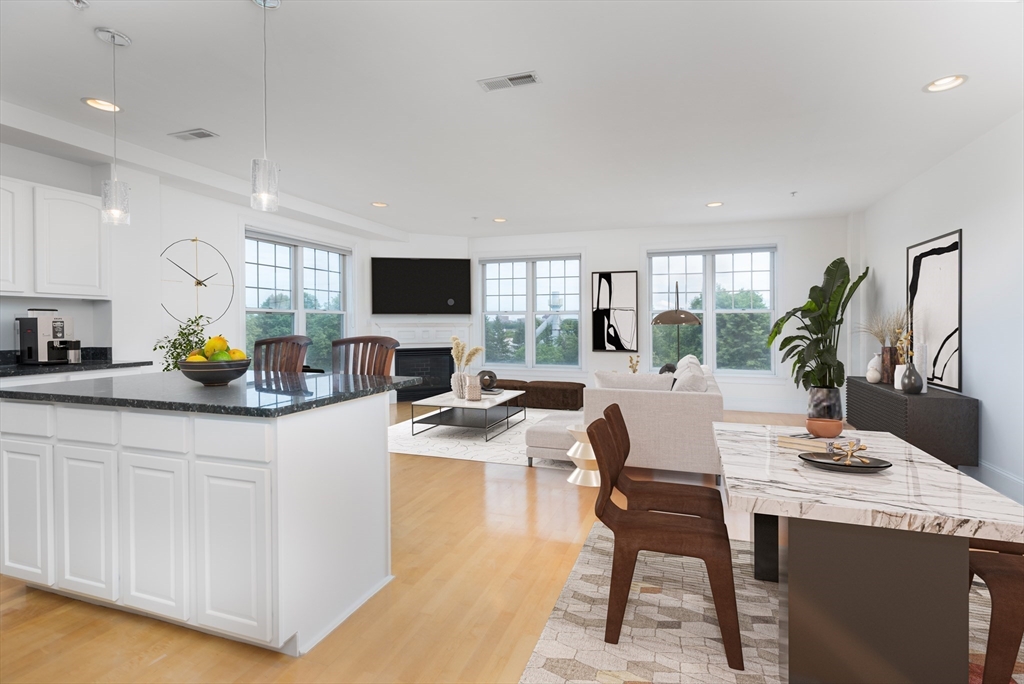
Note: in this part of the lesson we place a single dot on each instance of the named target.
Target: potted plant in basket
(815, 348)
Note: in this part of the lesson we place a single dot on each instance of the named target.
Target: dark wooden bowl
(214, 373)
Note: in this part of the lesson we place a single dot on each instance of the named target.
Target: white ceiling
(646, 111)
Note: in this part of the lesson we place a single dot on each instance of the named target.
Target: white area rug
(468, 444)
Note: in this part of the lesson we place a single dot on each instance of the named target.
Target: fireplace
(434, 364)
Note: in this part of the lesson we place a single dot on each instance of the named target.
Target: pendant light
(264, 171)
(676, 317)
(114, 195)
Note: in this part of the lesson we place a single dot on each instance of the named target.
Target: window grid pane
(321, 280)
(505, 287)
(268, 275)
(735, 278)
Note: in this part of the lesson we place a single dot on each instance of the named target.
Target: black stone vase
(825, 402)
(911, 382)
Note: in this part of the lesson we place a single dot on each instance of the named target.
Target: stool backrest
(284, 354)
(367, 355)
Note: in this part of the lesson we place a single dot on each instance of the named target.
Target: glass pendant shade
(115, 209)
(264, 185)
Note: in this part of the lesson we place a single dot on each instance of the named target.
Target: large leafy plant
(815, 349)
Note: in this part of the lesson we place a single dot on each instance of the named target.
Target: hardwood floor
(479, 552)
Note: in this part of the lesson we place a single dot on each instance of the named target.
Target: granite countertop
(274, 395)
(16, 369)
(918, 493)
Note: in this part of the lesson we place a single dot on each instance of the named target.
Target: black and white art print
(934, 305)
(614, 297)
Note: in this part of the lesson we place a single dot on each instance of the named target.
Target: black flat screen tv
(420, 286)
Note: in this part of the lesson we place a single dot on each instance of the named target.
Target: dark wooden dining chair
(1000, 565)
(669, 497)
(650, 530)
(280, 354)
(368, 355)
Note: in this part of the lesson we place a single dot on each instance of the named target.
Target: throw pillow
(690, 378)
(633, 381)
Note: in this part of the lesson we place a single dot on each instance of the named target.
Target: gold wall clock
(197, 280)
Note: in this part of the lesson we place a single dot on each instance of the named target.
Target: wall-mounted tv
(420, 286)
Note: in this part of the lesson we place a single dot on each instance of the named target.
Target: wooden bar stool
(368, 355)
(650, 530)
(280, 354)
(1000, 565)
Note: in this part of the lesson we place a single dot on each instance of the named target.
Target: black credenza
(941, 423)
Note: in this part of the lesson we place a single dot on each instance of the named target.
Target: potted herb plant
(191, 336)
(815, 348)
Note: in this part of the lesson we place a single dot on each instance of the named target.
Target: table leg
(766, 547)
(866, 604)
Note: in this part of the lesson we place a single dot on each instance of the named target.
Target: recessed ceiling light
(79, 4)
(945, 83)
(269, 4)
(500, 220)
(715, 204)
(101, 104)
(379, 204)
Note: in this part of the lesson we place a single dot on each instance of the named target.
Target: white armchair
(668, 430)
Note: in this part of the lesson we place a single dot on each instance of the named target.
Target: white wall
(804, 248)
(28, 165)
(980, 191)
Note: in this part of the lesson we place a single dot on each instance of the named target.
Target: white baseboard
(998, 479)
(767, 405)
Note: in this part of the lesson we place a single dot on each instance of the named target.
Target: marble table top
(918, 493)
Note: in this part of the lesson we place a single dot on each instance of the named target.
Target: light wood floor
(480, 552)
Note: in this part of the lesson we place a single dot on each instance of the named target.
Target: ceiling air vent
(194, 134)
(513, 81)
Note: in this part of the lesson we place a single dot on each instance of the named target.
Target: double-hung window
(294, 289)
(532, 312)
(735, 321)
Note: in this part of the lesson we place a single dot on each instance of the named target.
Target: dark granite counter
(17, 369)
(268, 395)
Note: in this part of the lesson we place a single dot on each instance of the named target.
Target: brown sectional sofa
(546, 394)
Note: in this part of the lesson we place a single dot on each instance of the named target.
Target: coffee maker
(43, 337)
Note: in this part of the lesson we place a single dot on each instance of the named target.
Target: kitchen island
(259, 510)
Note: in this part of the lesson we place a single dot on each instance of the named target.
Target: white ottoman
(550, 438)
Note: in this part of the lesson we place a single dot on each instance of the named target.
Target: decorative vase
(889, 361)
(459, 384)
(472, 387)
(897, 375)
(824, 411)
(910, 381)
(874, 371)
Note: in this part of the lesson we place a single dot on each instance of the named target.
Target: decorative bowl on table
(214, 373)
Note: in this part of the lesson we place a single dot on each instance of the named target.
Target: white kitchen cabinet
(72, 248)
(15, 235)
(155, 534)
(46, 378)
(26, 511)
(85, 510)
(233, 549)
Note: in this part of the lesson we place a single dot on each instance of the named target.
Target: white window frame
(531, 312)
(297, 285)
(710, 332)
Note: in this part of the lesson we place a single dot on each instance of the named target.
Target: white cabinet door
(154, 534)
(85, 508)
(233, 549)
(71, 244)
(15, 235)
(26, 511)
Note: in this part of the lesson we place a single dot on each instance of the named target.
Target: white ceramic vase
(897, 376)
(873, 374)
(459, 384)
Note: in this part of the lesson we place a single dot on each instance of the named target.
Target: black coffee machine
(43, 337)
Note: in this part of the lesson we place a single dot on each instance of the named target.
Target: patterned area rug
(670, 631)
(469, 445)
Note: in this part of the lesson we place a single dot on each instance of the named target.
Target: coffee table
(490, 412)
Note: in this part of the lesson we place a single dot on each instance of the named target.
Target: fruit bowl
(214, 373)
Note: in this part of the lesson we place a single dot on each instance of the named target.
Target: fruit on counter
(195, 357)
(220, 356)
(215, 344)
(237, 355)
(196, 352)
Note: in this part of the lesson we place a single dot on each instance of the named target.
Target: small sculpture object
(850, 449)
(634, 363)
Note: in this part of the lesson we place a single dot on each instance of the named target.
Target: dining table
(872, 566)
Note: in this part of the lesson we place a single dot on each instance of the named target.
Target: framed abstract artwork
(614, 298)
(934, 271)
